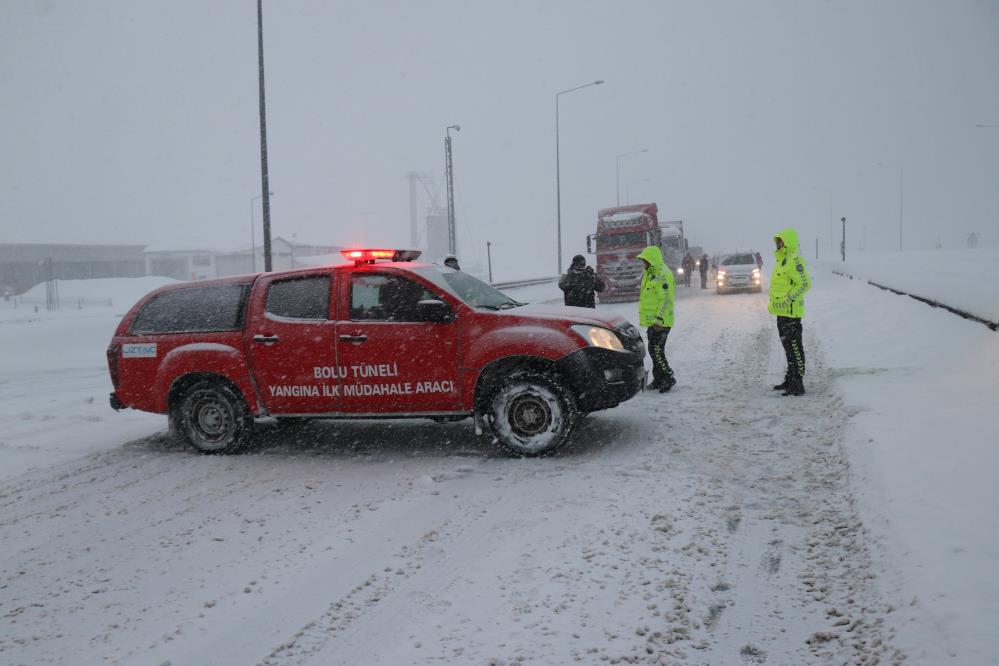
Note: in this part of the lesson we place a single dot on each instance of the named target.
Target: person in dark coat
(759, 261)
(703, 267)
(688, 268)
(580, 284)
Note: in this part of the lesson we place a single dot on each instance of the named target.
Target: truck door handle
(354, 338)
(266, 339)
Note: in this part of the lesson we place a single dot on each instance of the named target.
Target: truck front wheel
(212, 417)
(532, 415)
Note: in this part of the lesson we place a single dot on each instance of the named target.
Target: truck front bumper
(602, 378)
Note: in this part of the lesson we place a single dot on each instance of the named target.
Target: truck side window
(192, 309)
(300, 298)
(385, 297)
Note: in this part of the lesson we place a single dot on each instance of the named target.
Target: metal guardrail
(929, 301)
(523, 283)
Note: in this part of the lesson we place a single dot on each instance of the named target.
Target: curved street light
(558, 177)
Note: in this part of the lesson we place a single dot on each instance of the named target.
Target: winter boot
(668, 383)
(654, 385)
(795, 386)
(784, 384)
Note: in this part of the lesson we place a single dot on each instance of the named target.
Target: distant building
(21, 264)
(204, 264)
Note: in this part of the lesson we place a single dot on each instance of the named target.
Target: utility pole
(264, 181)
(489, 259)
(842, 244)
(452, 241)
(413, 234)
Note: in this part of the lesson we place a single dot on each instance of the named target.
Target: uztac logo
(142, 350)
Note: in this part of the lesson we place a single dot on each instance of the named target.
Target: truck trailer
(623, 232)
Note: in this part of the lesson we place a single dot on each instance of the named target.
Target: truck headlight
(599, 337)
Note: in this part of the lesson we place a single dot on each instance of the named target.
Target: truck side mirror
(589, 243)
(434, 311)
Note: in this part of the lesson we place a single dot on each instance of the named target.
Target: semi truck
(623, 232)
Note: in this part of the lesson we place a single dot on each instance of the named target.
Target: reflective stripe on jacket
(789, 281)
(655, 298)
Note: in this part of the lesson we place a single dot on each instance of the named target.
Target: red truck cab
(623, 232)
(372, 339)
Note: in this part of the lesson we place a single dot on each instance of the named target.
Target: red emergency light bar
(368, 256)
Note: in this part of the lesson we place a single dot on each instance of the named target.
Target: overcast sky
(137, 121)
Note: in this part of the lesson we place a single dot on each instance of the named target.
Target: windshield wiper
(511, 304)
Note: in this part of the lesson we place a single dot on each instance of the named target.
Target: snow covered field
(718, 524)
(964, 279)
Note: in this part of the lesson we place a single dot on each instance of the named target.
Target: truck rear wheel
(212, 417)
(532, 414)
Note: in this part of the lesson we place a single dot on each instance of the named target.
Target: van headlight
(598, 336)
(756, 272)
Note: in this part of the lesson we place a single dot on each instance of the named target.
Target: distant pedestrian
(688, 268)
(759, 261)
(580, 284)
(789, 282)
(703, 267)
(452, 262)
(655, 310)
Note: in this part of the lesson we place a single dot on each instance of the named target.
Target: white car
(738, 272)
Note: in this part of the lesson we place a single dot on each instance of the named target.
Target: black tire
(532, 415)
(212, 417)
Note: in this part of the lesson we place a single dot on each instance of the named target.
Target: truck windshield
(471, 290)
(607, 241)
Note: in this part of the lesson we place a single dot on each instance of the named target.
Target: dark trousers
(789, 329)
(657, 351)
(704, 279)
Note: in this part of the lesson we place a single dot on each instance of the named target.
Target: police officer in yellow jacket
(655, 310)
(789, 282)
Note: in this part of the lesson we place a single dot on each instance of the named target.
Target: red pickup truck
(384, 337)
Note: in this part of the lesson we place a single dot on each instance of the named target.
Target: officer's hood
(654, 256)
(790, 238)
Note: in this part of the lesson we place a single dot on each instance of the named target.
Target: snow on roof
(624, 217)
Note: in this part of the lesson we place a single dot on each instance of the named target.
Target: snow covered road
(712, 525)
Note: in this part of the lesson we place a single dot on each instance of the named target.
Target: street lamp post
(558, 176)
(489, 259)
(627, 188)
(264, 178)
(253, 235)
(634, 152)
(900, 197)
(452, 240)
(842, 244)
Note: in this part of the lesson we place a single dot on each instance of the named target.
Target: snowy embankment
(54, 382)
(922, 388)
(967, 280)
